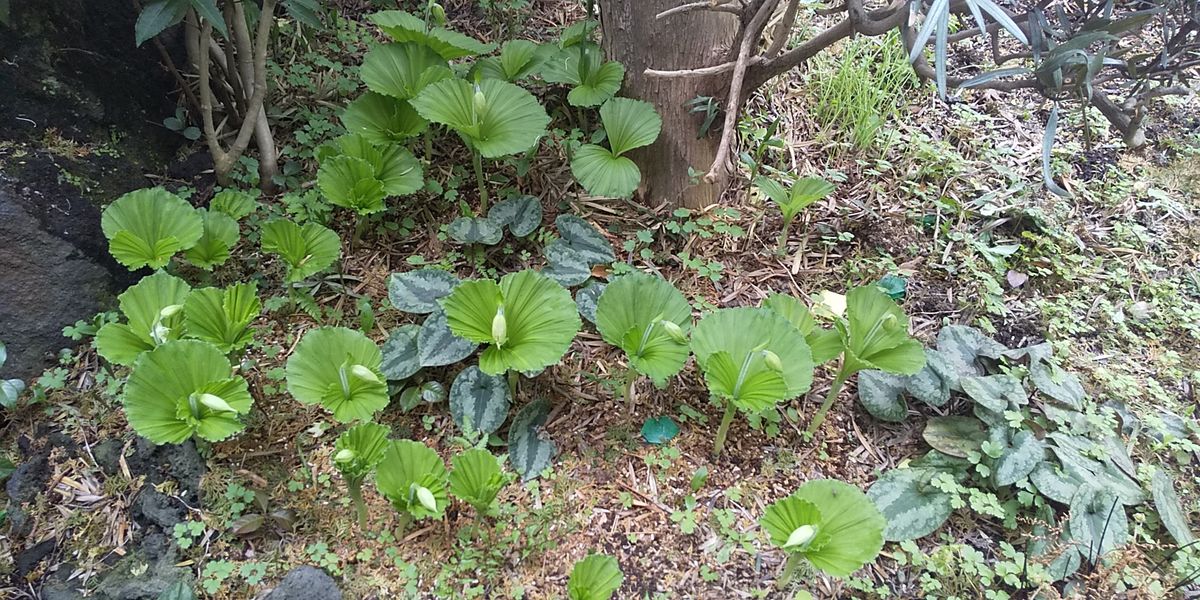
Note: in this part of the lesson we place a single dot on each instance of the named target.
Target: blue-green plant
(338, 368)
(185, 388)
(648, 319)
(831, 524)
(146, 227)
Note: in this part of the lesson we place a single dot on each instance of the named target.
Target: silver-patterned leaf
(586, 299)
(1054, 483)
(580, 236)
(521, 215)
(400, 353)
(956, 436)
(528, 451)
(1073, 452)
(418, 291)
(479, 399)
(475, 230)
(432, 392)
(566, 267)
(1170, 511)
(1097, 523)
(912, 508)
(1020, 458)
(1065, 565)
(994, 392)
(932, 383)
(962, 347)
(882, 394)
(1057, 384)
(438, 346)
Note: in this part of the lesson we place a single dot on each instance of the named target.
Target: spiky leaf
(954, 435)
(994, 392)
(963, 346)
(164, 397)
(338, 368)
(147, 227)
(1170, 511)
(931, 384)
(587, 298)
(581, 237)
(479, 400)
(1023, 454)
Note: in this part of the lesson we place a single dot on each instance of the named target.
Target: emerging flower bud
(480, 101)
(772, 361)
(675, 331)
(425, 497)
(890, 322)
(215, 403)
(343, 456)
(169, 311)
(438, 13)
(499, 327)
(801, 536)
(364, 373)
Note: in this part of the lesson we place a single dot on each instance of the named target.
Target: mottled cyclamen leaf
(882, 394)
(400, 359)
(956, 436)
(418, 291)
(1097, 521)
(1059, 385)
(521, 215)
(567, 268)
(580, 236)
(479, 399)
(994, 392)
(528, 450)
(911, 506)
(962, 347)
(932, 383)
(475, 230)
(1170, 511)
(586, 299)
(1072, 452)
(438, 346)
(1020, 458)
(1054, 483)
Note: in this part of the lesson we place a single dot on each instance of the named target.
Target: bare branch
(700, 72)
(725, 7)
(783, 30)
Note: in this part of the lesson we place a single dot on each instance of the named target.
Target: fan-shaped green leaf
(495, 117)
(911, 506)
(147, 227)
(479, 401)
(407, 468)
(418, 291)
(518, 59)
(587, 298)
(383, 119)
(475, 230)
(403, 70)
(223, 317)
(359, 450)
(521, 215)
(845, 528)
(528, 320)
(153, 310)
(648, 319)
(603, 174)
(220, 235)
(184, 388)
(307, 250)
(743, 334)
(583, 66)
(878, 334)
(404, 27)
(400, 357)
(826, 344)
(528, 450)
(596, 577)
(396, 169)
(438, 346)
(350, 182)
(579, 32)
(476, 478)
(238, 204)
(338, 368)
(629, 124)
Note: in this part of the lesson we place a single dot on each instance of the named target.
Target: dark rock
(19, 523)
(140, 577)
(154, 507)
(29, 480)
(179, 462)
(306, 583)
(108, 455)
(27, 560)
(61, 590)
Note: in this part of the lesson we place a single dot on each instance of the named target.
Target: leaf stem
(723, 430)
(631, 377)
(483, 195)
(355, 489)
(513, 379)
(834, 388)
(789, 569)
(783, 236)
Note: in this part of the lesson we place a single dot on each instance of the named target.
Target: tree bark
(634, 37)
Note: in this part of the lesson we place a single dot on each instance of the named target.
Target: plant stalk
(723, 430)
(834, 389)
(789, 569)
(631, 377)
(360, 507)
(428, 138)
(483, 195)
(513, 379)
(783, 236)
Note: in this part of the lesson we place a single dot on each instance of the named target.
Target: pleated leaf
(383, 119)
(223, 317)
(604, 175)
(146, 227)
(878, 334)
(238, 204)
(220, 235)
(338, 368)
(495, 117)
(476, 478)
(407, 466)
(518, 59)
(366, 443)
(739, 332)
(403, 70)
(146, 326)
(637, 302)
(596, 577)
(629, 124)
(350, 182)
(405, 27)
(849, 528)
(307, 250)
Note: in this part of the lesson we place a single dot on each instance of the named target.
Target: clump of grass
(860, 90)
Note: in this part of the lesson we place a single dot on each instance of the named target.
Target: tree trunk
(693, 39)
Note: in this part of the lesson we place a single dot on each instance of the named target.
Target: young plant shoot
(874, 334)
(596, 577)
(647, 318)
(356, 453)
(477, 479)
(752, 359)
(830, 523)
(803, 193)
(413, 478)
(338, 368)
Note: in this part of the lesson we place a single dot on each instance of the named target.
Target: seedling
(803, 193)
(356, 453)
(413, 478)
(338, 368)
(647, 318)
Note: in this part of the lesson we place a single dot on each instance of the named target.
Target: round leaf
(418, 291)
(403, 70)
(383, 119)
(509, 120)
(321, 371)
(629, 124)
(147, 227)
(480, 400)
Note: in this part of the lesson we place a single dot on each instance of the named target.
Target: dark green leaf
(438, 346)
(956, 436)
(882, 394)
(400, 360)
(418, 291)
(158, 16)
(1170, 511)
(529, 451)
(479, 399)
(207, 9)
(912, 507)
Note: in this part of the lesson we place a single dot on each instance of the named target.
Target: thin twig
(783, 30)
(725, 7)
